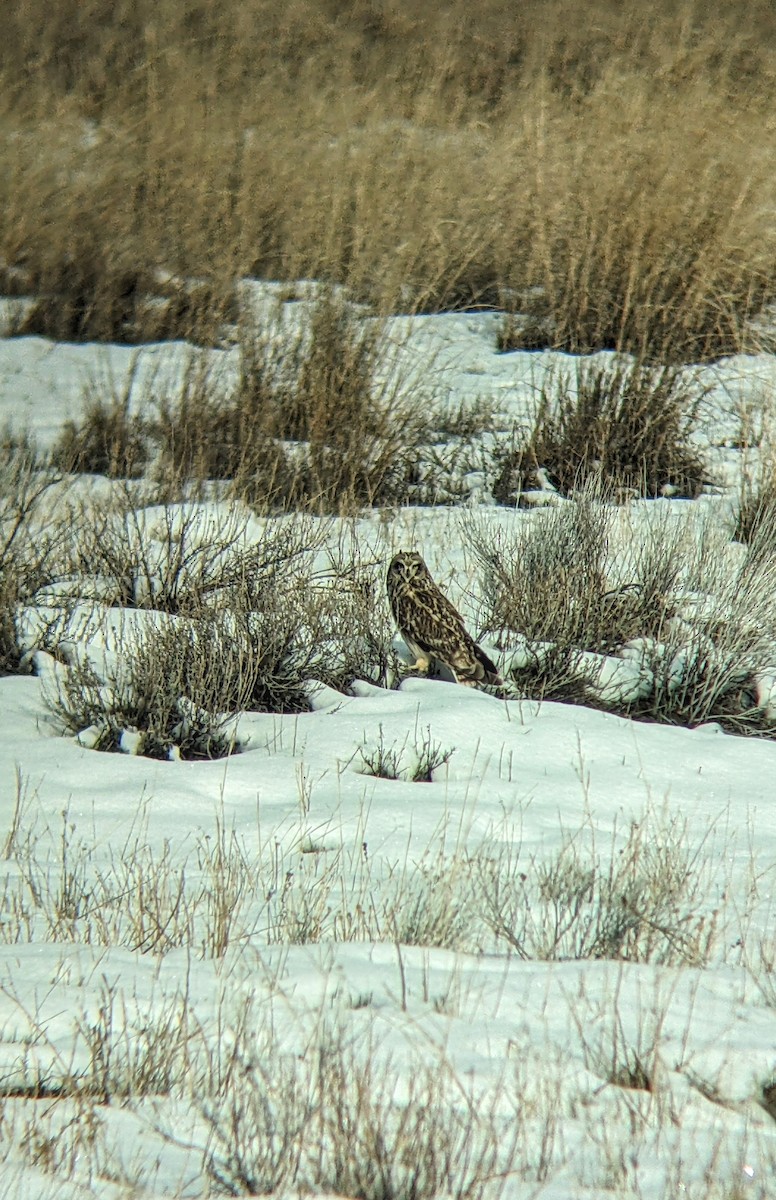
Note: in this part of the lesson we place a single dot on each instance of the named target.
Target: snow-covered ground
(414, 997)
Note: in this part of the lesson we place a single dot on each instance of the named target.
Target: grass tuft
(681, 618)
(319, 419)
(110, 438)
(628, 426)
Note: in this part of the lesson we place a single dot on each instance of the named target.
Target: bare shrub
(56, 1140)
(109, 439)
(128, 1055)
(238, 624)
(618, 1056)
(332, 1120)
(348, 618)
(552, 584)
(756, 508)
(365, 1136)
(30, 539)
(434, 903)
(694, 619)
(185, 558)
(628, 426)
(762, 971)
(183, 682)
(257, 1120)
(319, 418)
(643, 902)
(720, 638)
(380, 760)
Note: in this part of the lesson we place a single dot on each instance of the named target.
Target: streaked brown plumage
(431, 626)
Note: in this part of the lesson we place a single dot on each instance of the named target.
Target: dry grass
(643, 895)
(643, 900)
(693, 613)
(110, 439)
(627, 427)
(28, 546)
(605, 170)
(755, 517)
(319, 417)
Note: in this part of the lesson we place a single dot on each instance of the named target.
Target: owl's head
(406, 565)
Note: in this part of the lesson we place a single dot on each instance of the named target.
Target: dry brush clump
(180, 558)
(645, 898)
(665, 621)
(605, 173)
(32, 540)
(320, 418)
(221, 627)
(626, 425)
(111, 438)
(182, 685)
(755, 510)
(399, 761)
(551, 583)
(205, 617)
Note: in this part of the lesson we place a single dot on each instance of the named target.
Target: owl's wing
(491, 673)
(468, 660)
(471, 663)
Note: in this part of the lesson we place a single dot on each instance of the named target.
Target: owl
(431, 626)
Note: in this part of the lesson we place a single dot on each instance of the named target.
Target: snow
(350, 922)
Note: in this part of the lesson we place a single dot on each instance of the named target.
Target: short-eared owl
(431, 626)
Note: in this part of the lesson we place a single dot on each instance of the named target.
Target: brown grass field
(606, 167)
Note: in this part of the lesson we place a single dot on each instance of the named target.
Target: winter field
(321, 924)
(279, 915)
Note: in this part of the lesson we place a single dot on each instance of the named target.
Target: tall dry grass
(605, 168)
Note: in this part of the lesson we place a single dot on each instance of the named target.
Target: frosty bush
(182, 683)
(551, 582)
(711, 656)
(231, 623)
(187, 558)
